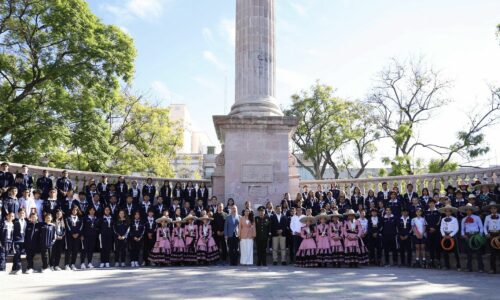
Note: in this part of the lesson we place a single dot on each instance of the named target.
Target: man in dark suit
(383, 195)
(218, 228)
(279, 225)
(63, 185)
(44, 184)
(232, 235)
(409, 195)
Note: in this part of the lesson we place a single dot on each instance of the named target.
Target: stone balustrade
(82, 178)
(430, 181)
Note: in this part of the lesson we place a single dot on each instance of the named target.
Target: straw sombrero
(163, 219)
(205, 217)
(189, 217)
(304, 219)
(178, 220)
(468, 206)
(471, 196)
(443, 209)
(443, 196)
(322, 216)
(350, 212)
(492, 204)
(335, 214)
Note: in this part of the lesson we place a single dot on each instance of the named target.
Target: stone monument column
(255, 163)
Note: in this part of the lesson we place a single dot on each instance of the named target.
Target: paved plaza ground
(251, 283)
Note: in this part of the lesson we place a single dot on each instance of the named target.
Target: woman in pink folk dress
(178, 244)
(306, 255)
(191, 237)
(322, 234)
(336, 239)
(206, 248)
(353, 243)
(162, 249)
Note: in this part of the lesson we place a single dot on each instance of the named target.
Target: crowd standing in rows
(179, 225)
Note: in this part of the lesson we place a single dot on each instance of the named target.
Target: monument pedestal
(255, 163)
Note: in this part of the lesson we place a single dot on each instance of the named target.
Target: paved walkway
(251, 283)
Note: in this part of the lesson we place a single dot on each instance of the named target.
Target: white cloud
(207, 83)
(228, 30)
(207, 35)
(299, 8)
(142, 9)
(210, 56)
(161, 89)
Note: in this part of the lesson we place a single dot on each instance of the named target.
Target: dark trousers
(389, 244)
(470, 253)
(89, 247)
(148, 245)
(57, 250)
(446, 256)
(106, 248)
(405, 251)
(434, 246)
(120, 250)
(494, 254)
(221, 243)
(261, 251)
(30, 254)
(5, 250)
(19, 249)
(233, 243)
(73, 247)
(135, 249)
(46, 257)
(375, 249)
(296, 240)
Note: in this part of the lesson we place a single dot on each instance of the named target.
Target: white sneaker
(90, 266)
(29, 271)
(73, 268)
(82, 266)
(57, 268)
(117, 265)
(137, 264)
(107, 265)
(123, 264)
(101, 265)
(67, 267)
(46, 270)
(16, 272)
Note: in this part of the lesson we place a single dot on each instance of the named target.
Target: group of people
(179, 225)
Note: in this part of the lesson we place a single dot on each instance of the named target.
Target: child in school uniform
(106, 231)
(191, 236)
(471, 225)
(136, 238)
(121, 229)
(449, 229)
(162, 249)
(336, 239)
(355, 250)
(149, 234)
(374, 237)
(60, 242)
(418, 228)
(322, 234)
(178, 244)
(19, 234)
(6, 239)
(74, 227)
(404, 237)
(32, 241)
(306, 254)
(389, 231)
(90, 234)
(47, 240)
(206, 248)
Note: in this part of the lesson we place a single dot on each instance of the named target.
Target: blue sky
(186, 51)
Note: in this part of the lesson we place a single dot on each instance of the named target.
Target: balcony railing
(430, 181)
(81, 178)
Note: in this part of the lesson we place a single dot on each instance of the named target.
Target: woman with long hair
(247, 234)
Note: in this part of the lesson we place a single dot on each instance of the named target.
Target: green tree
(60, 70)
(327, 126)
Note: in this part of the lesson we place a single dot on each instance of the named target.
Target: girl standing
(178, 243)
(121, 229)
(74, 227)
(106, 230)
(59, 243)
(162, 249)
(90, 234)
(418, 225)
(47, 240)
(336, 239)
(136, 231)
(206, 248)
(247, 234)
(306, 255)
(32, 240)
(191, 236)
(322, 234)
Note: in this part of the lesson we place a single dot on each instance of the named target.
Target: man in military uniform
(263, 230)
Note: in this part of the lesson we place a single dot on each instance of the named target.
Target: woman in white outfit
(247, 234)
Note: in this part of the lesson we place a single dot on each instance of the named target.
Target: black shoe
(264, 264)
(258, 264)
(275, 263)
(284, 264)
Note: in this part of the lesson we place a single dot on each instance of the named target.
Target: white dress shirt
(450, 227)
(491, 225)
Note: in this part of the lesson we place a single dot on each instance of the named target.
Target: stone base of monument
(255, 163)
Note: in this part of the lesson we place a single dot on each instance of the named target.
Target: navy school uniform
(90, 235)
(83, 205)
(47, 240)
(166, 193)
(121, 229)
(356, 201)
(121, 191)
(137, 230)
(395, 207)
(107, 233)
(150, 190)
(65, 205)
(433, 220)
(44, 184)
(90, 195)
(424, 201)
(10, 205)
(32, 242)
(202, 193)
(178, 192)
(343, 207)
(63, 185)
(7, 242)
(412, 210)
(20, 188)
(145, 206)
(159, 208)
(198, 209)
(114, 208)
(19, 233)
(74, 228)
(369, 201)
(135, 192)
(6, 179)
(389, 232)
(130, 209)
(375, 227)
(190, 195)
(404, 231)
(149, 238)
(59, 244)
(50, 207)
(407, 198)
(99, 208)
